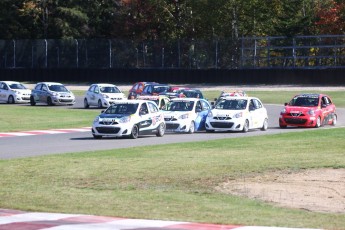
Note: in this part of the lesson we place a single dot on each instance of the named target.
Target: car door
(43, 93)
(94, 95)
(3, 92)
(201, 111)
(90, 95)
(145, 118)
(328, 108)
(257, 113)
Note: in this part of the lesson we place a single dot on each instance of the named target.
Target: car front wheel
(86, 104)
(10, 100)
(334, 119)
(32, 101)
(135, 132)
(49, 101)
(100, 106)
(245, 126)
(318, 122)
(161, 130)
(265, 125)
(191, 127)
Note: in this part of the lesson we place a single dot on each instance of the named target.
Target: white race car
(186, 114)
(102, 95)
(237, 114)
(51, 93)
(14, 92)
(129, 118)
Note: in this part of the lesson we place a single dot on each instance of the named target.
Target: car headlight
(96, 120)
(238, 115)
(311, 112)
(16, 92)
(125, 119)
(54, 94)
(210, 114)
(283, 111)
(105, 96)
(184, 116)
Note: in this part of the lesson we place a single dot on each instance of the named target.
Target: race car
(51, 93)
(102, 95)
(160, 100)
(186, 114)
(129, 118)
(237, 114)
(14, 92)
(235, 93)
(308, 110)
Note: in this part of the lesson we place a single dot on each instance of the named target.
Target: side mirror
(198, 110)
(323, 105)
(285, 103)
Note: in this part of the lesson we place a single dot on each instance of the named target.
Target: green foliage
(168, 20)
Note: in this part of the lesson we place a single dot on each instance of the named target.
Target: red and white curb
(14, 220)
(42, 132)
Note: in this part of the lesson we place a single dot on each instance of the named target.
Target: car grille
(222, 124)
(222, 118)
(296, 121)
(170, 119)
(108, 123)
(65, 100)
(109, 130)
(172, 126)
(25, 98)
(296, 114)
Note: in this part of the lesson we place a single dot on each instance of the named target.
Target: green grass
(173, 182)
(20, 118)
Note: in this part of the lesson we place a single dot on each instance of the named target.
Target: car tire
(135, 132)
(97, 136)
(245, 126)
(10, 100)
(86, 104)
(191, 127)
(265, 125)
(318, 122)
(32, 101)
(100, 106)
(334, 119)
(160, 130)
(49, 101)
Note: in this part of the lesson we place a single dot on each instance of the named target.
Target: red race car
(308, 110)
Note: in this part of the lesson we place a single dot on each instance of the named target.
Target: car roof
(308, 95)
(49, 83)
(186, 99)
(239, 97)
(103, 84)
(11, 82)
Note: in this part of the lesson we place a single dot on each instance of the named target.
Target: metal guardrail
(324, 51)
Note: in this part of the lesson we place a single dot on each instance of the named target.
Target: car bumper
(111, 130)
(22, 99)
(223, 125)
(63, 101)
(297, 121)
(180, 126)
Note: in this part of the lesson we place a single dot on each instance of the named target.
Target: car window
(109, 89)
(179, 106)
(17, 86)
(44, 87)
(143, 109)
(257, 104)
(58, 88)
(38, 87)
(3, 86)
(152, 107)
(96, 89)
(91, 89)
(205, 105)
(129, 108)
(234, 104)
(326, 100)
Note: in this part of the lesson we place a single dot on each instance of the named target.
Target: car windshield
(305, 101)
(160, 89)
(233, 104)
(192, 94)
(125, 108)
(179, 106)
(109, 89)
(17, 86)
(58, 88)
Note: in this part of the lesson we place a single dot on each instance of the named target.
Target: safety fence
(324, 51)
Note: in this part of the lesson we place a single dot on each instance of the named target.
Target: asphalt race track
(36, 145)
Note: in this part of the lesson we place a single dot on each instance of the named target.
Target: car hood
(28, 91)
(225, 113)
(298, 109)
(175, 113)
(114, 94)
(103, 115)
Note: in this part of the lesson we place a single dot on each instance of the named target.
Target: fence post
(46, 52)
(110, 53)
(14, 53)
(77, 52)
(163, 57)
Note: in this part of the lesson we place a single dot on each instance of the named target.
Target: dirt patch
(319, 190)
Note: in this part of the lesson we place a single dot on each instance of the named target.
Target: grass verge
(173, 182)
